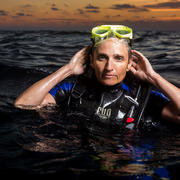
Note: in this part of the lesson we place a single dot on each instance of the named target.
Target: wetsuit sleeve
(61, 91)
(157, 101)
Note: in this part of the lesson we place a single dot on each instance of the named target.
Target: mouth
(109, 76)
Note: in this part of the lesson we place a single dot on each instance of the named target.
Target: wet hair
(125, 41)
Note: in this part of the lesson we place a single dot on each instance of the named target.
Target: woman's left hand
(141, 67)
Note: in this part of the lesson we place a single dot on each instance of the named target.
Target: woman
(111, 58)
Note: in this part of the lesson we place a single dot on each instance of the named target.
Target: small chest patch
(103, 112)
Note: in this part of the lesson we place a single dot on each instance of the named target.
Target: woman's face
(110, 61)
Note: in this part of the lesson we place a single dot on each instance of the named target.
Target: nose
(109, 65)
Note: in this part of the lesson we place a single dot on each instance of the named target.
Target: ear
(129, 64)
(91, 61)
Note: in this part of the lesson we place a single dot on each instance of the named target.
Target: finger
(134, 58)
(139, 55)
(133, 70)
(88, 47)
(88, 50)
(80, 51)
(85, 49)
(83, 52)
(135, 65)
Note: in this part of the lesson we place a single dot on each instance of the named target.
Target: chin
(109, 82)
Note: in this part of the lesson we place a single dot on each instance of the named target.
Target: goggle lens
(122, 32)
(101, 31)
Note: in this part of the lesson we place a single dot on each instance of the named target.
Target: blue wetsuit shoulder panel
(158, 94)
(66, 87)
(125, 87)
(156, 103)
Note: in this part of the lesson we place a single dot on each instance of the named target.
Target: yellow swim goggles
(102, 32)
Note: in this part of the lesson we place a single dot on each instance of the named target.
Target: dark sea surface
(42, 144)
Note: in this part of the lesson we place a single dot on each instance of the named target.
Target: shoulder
(64, 87)
(156, 103)
(157, 99)
(158, 95)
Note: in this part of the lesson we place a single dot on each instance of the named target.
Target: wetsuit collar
(102, 87)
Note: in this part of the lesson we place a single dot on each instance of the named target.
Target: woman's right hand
(78, 61)
(38, 94)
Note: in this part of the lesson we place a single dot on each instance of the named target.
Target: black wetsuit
(108, 104)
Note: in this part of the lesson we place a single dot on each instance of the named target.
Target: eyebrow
(119, 55)
(114, 55)
(102, 54)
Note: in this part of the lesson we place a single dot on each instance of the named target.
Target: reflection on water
(53, 144)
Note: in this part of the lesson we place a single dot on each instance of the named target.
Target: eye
(119, 58)
(102, 57)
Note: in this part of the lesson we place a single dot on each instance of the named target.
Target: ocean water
(42, 144)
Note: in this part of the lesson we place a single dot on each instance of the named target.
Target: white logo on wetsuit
(103, 113)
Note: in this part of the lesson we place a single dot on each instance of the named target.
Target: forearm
(142, 69)
(35, 94)
(168, 89)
